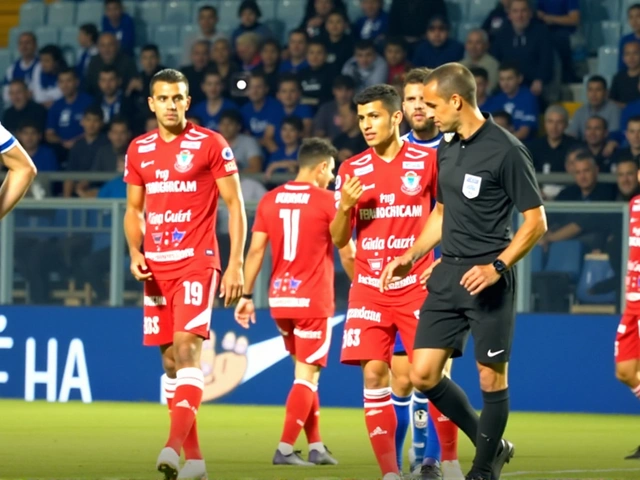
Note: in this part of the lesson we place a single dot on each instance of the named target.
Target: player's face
(443, 111)
(325, 174)
(509, 81)
(212, 87)
(414, 108)
(377, 124)
(170, 102)
(289, 94)
(633, 134)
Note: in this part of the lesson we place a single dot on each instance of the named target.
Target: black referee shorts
(450, 312)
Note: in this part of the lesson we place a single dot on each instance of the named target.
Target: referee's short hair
(454, 78)
(417, 76)
(384, 93)
(314, 151)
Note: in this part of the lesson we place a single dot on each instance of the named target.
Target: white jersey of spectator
(43, 91)
(7, 141)
(18, 69)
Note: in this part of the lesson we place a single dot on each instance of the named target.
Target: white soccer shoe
(392, 476)
(451, 470)
(193, 470)
(168, 463)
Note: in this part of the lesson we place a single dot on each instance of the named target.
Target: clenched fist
(350, 193)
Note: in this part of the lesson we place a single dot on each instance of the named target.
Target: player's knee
(185, 354)
(401, 385)
(169, 366)
(375, 375)
(626, 374)
(493, 377)
(424, 378)
(306, 372)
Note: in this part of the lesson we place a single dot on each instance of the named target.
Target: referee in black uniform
(484, 172)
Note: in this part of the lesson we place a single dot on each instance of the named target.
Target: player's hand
(245, 312)
(424, 277)
(139, 268)
(350, 193)
(396, 269)
(231, 286)
(479, 278)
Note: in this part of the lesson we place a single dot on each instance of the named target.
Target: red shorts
(370, 330)
(306, 338)
(627, 345)
(181, 304)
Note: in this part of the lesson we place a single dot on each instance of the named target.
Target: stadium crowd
(265, 91)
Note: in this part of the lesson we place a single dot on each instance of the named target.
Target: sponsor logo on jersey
(184, 161)
(195, 135)
(181, 216)
(146, 140)
(368, 187)
(364, 314)
(391, 211)
(146, 164)
(289, 302)
(411, 183)
(375, 264)
(154, 301)
(227, 154)
(177, 236)
(191, 145)
(415, 154)
(362, 160)
(393, 242)
(230, 167)
(389, 198)
(413, 165)
(358, 172)
(147, 148)
(295, 198)
(307, 335)
(375, 282)
(170, 256)
(173, 186)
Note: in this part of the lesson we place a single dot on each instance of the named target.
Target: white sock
(318, 446)
(285, 448)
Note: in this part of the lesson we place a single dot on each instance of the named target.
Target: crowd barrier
(560, 363)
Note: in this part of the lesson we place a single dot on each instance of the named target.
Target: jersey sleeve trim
(8, 145)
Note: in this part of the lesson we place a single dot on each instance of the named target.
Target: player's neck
(169, 134)
(388, 150)
(425, 135)
(306, 177)
(470, 123)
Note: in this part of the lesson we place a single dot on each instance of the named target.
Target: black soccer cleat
(169, 472)
(431, 472)
(634, 456)
(475, 477)
(506, 451)
(322, 458)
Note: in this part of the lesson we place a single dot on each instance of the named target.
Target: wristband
(247, 296)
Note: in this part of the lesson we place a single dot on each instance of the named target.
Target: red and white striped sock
(381, 421)
(186, 402)
(636, 392)
(169, 387)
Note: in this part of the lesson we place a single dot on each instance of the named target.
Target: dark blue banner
(561, 363)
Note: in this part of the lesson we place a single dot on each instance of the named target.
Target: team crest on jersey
(157, 237)
(227, 154)
(177, 236)
(411, 183)
(184, 161)
(286, 284)
(471, 186)
(375, 264)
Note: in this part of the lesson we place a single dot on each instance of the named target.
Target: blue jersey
(7, 141)
(432, 143)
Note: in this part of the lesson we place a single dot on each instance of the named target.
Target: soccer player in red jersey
(175, 175)
(385, 193)
(294, 218)
(627, 346)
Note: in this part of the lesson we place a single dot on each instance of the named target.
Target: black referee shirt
(480, 180)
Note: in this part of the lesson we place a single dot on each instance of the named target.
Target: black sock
(493, 422)
(453, 403)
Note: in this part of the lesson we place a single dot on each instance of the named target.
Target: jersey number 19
(291, 228)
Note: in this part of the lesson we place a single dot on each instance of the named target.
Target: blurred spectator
(504, 119)
(109, 55)
(395, 54)
(561, 19)
(350, 141)
(22, 109)
(337, 40)
(65, 115)
(289, 95)
(249, 13)
(30, 137)
(297, 49)
(407, 18)
(366, 67)
(516, 100)
(595, 137)
(482, 81)
(207, 23)
(316, 14)
(248, 50)
(22, 68)
(574, 152)
(210, 110)
(284, 159)
(316, 79)
(549, 153)
(116, 21)
(246, 149)
(374, 22)
(112, 100)
(44, 82)
(261, 110)
(270, 64)
(327, 121)
(496, 19)
(633, 17)
(476, 54)
(625, 87)
(88, 42)
(83, 154)
(195, 71)
(138, 88)
(632, 134)
(598, 104)
(627, 180)
(586, 187)
(194, 119)
(223, 64)
(438, 48)
(151, 123)
(526, 43)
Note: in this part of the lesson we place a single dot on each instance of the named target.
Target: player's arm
(253, 262)
(20, 175)
(341, 225)
(134, 231)
(348, 258)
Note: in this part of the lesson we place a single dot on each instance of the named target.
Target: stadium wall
(560, 363)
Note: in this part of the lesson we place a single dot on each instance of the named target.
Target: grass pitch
(122, 440)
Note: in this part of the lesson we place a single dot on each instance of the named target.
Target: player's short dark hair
(384, 93)
(480, 72)
(168, 75)
(344, 81)
(289, 78)
(416, 76)
(635, 118)
(295, 122)
(94, 111)
(68, 71)
(119, 120)
(598, 79)
(510, 66)
(603, 120)
(151, 47)
(454, 78)
(208, 8)
(315, 150)
(109, 69)
(233, 115)
(504, 115)
(91, 30)
(365, 45)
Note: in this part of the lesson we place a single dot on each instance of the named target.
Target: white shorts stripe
(324, 348)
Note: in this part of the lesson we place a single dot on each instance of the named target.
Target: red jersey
(633, 264)
(389, 216)
(296, 217)
(181, 197)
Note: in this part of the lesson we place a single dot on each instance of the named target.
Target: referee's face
(377, 124)
(443, 112)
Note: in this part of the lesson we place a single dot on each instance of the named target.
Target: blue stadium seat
(596, 268)
(69, 37)
(32, 14)
(610, 33)
(607, 60)
(458, 10)
(228, 13)
(88, 13)
(269, 10)
(150, 13)
(277, 29)
(353, 9)
(178, 13)
(464, 29)
(624, 6)
(537, 259)
(61, 13)
(214, 3)
(5, 60)
(47, 35)
(14, 33)
(291, 13)
(171, 56)
(188, 33)
(565, 257)
(479, 10)
(602, 10)
(165, 36)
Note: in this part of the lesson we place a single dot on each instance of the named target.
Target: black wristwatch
(247, 296)
(500, 266)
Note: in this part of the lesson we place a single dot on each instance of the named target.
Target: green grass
(121, 441)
